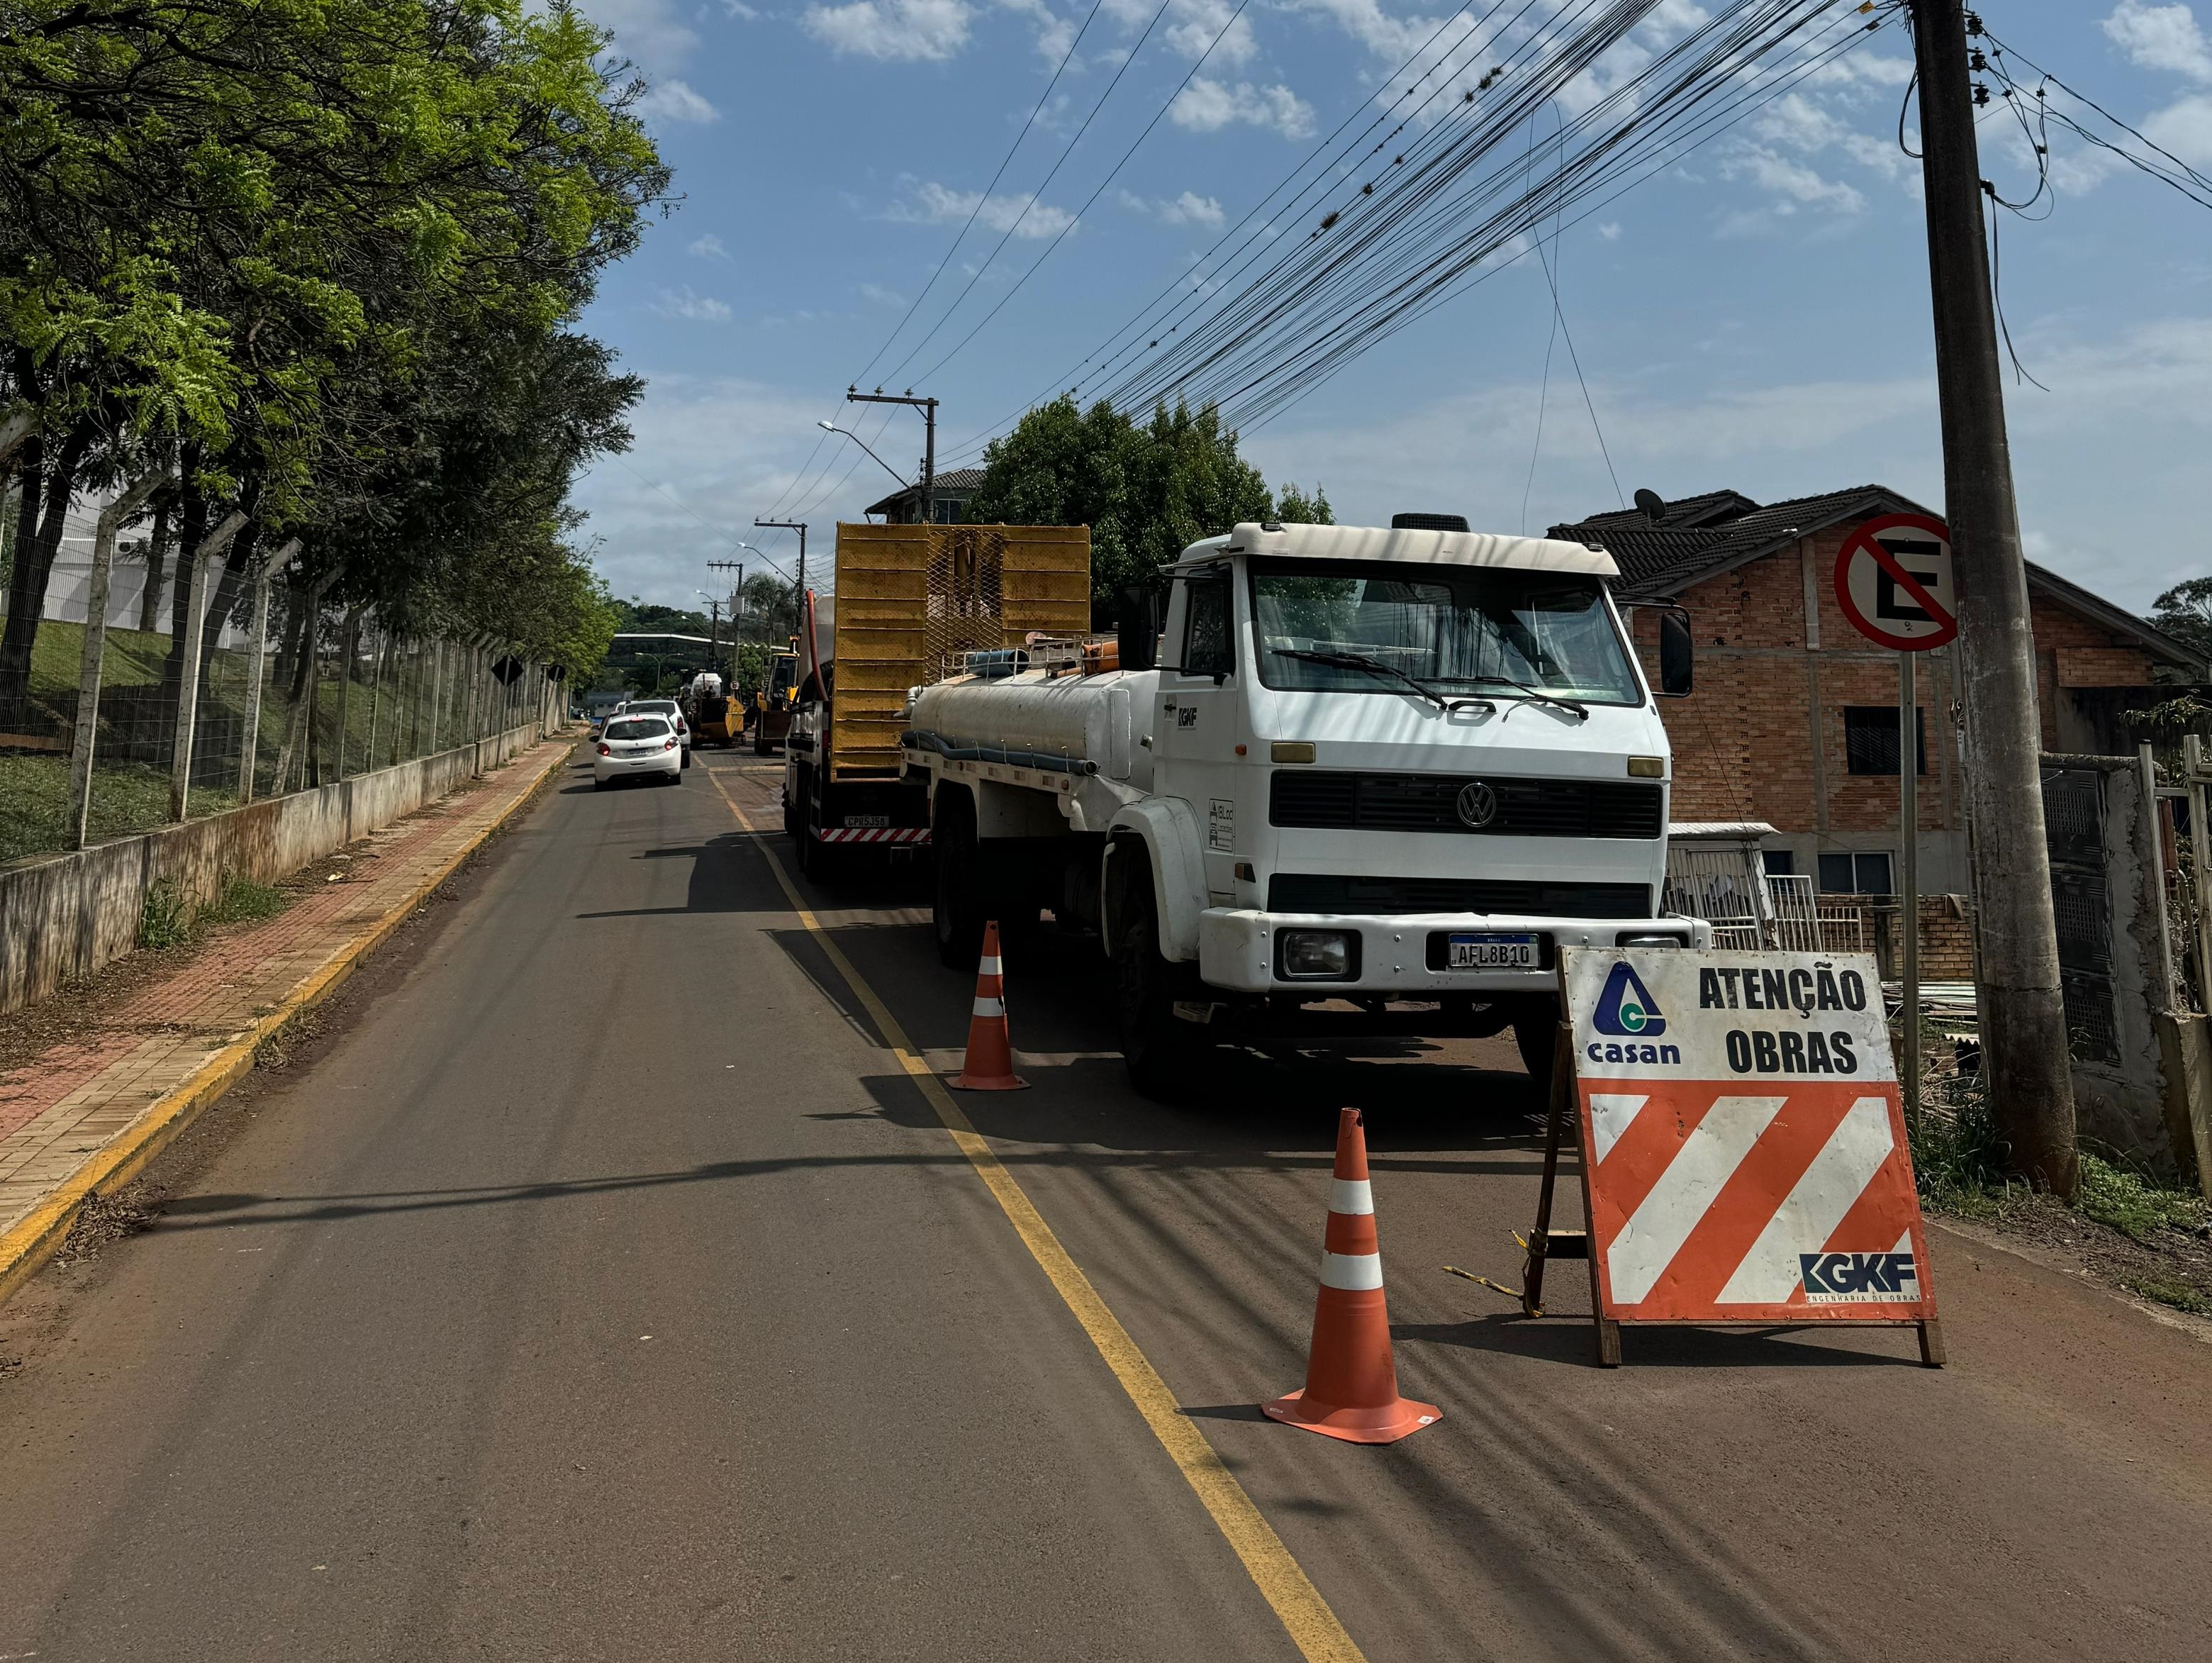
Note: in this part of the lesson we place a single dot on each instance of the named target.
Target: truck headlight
(1317, 955)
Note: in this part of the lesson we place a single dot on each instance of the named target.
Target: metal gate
(2073, 832)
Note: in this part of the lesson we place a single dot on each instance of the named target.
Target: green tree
(1294, 508)
(1146, 490)
(2185, 611)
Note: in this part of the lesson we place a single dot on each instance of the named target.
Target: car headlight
(1632, 938)
(1317, 955)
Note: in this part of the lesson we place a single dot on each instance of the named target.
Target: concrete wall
(64, 917)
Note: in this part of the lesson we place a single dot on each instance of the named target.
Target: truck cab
(1391, 769)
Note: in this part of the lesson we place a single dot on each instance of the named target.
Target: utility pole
(736, 606)
(928, 409)
(798, 526)
(2025, 1066)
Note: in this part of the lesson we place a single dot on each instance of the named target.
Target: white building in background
(68, 586)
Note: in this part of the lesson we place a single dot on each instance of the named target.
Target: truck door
(1194, 736)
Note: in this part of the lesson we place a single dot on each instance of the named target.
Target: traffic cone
(990, 1062)
(1351, 1383)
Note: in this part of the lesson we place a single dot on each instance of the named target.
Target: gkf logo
(1626, 1007)
(1858, 1278)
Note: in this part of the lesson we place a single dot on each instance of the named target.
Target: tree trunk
(34, 565)
(157, 556)
(192, 532)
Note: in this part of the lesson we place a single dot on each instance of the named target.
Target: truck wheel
(1164, 1053)
(1536, 1032)
(957, 911)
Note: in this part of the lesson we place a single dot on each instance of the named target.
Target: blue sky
(1755, 317)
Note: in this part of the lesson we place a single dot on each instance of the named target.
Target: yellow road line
(1282, 1581)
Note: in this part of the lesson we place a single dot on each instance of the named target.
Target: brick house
(1794, 720)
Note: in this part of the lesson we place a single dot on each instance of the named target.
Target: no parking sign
(1893, 582)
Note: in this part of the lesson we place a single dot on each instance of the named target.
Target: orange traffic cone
(990, 1062)
(1351, 1383)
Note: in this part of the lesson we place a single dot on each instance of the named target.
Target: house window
(1843, 873)
(1870, 739)
(1780, 862)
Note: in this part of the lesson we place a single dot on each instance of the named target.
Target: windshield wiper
(1375, 666)
(1535, 695)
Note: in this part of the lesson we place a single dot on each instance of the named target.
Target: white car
(673, 711)
(634, 745)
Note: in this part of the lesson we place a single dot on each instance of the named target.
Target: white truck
(1374, 781)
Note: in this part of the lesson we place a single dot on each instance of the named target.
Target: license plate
(866, 822)
(1493, 951)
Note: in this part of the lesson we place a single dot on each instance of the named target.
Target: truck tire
(1165, 1055)
(956, 909)
(1536, 1032)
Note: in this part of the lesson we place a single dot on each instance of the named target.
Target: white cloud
(932, 204)
(1795, 185)
(1188, 209)
(708, 247)
(1195, 25)
(673, 101)
(2161, 38)
(1610, 230)
(2186, 129)
(1206, 106)
(933, 30)
(647, 32)
(739, 9)
(880, 295)
(698, 308)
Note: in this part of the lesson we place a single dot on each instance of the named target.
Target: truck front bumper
(1396, 956)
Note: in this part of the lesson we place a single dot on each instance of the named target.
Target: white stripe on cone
(990, 1006)
(1351, 1272)
(1351, 1195)
(989, 968)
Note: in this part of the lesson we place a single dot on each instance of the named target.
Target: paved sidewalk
(86, 1114)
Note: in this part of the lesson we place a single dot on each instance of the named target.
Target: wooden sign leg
(1555, 1123)
(1931, 1344)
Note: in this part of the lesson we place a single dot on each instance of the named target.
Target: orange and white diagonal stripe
(1706, 1199)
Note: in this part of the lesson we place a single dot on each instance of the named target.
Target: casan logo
(1858, 1278)
(1626, 1007)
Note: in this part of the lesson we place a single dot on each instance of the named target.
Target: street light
(832, 427)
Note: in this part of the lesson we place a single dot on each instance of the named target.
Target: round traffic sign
(1893, 582)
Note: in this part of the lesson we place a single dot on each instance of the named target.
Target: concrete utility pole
(2025, 1066)
(798, 526)
(928, 409)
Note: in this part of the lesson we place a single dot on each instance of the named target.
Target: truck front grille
(1319, 801)
(1313, 892)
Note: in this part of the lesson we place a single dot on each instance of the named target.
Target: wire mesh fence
(116, 728)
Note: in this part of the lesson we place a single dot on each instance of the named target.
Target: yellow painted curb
(29, 1243)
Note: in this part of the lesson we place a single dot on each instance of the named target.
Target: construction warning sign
(1743, 1147)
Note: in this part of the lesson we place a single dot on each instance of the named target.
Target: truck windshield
(1476, 629)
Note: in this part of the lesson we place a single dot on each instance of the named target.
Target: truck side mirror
(1137, 628)
(1677, 652)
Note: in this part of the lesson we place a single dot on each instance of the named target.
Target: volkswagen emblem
(1478, 805)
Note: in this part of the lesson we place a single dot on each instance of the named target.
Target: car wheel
(957, 906)
(1536, 1032)
(1165, 1055)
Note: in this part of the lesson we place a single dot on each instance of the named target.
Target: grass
(244, 901)
(2137, 1210)
(35, 803)
(169, 919)
(2164, 1291)
(165, 920)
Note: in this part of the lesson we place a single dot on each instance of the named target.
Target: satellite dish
(1651, 502)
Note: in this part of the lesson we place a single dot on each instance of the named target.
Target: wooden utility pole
(2025, 1067)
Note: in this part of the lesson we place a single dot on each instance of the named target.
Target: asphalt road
(602, 1287)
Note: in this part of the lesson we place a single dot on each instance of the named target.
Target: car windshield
(663, 704)
(638, 728)
(1477, 631)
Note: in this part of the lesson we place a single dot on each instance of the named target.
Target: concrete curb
(29, 1243)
